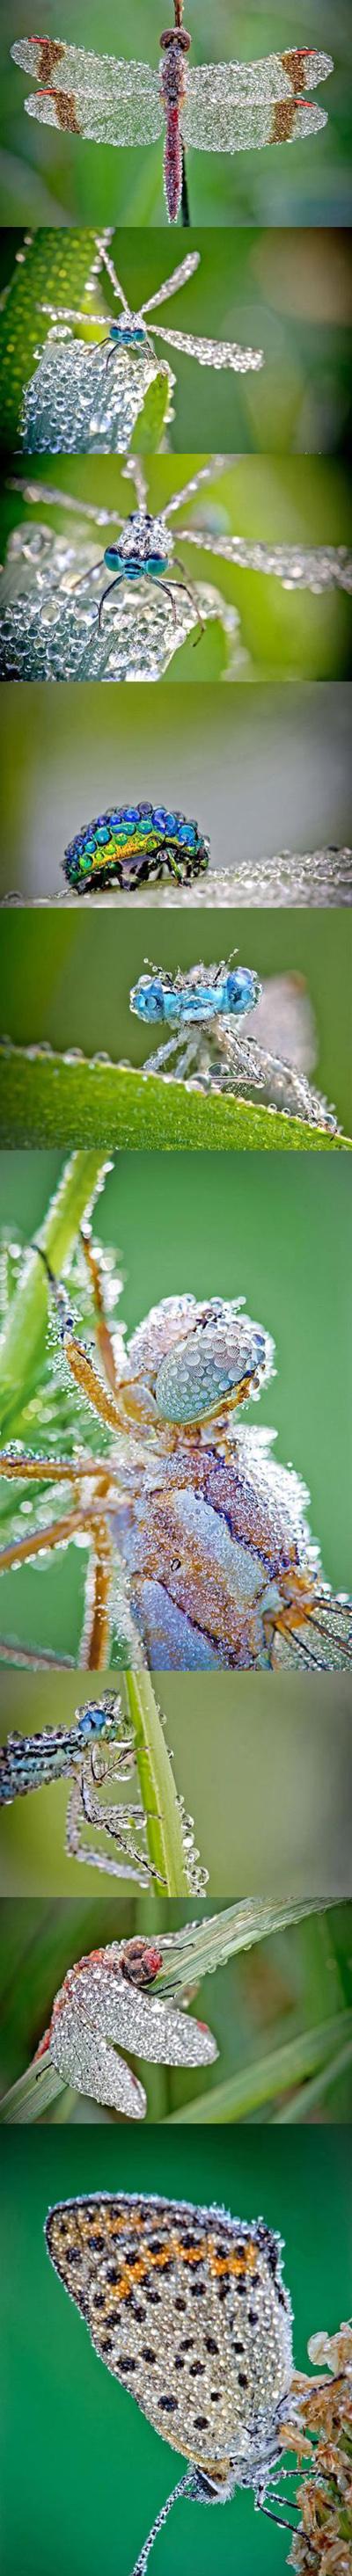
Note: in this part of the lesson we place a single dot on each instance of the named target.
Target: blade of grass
(261, 2081)
(199, 1948)
(45, 1100)
(164, 1829)
(21, 1342)
(320, 2084)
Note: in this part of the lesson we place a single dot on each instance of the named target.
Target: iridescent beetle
(200, 1553)
(211, 1001)
(219, 107)
(135, 844)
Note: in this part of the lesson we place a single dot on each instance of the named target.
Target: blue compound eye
(155, 564)
(242, 990)
(91, 1721)
(113, 559)
(148, 999)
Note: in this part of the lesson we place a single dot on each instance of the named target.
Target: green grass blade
(261, 2081)
(157, 1786)
(22, 1339)
(54, 270)
(47, 1100)
(149, 428)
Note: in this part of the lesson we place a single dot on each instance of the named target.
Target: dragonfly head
(150, 997)
(128, 334)
(222, 1361)
(176, 36)
(143, 545)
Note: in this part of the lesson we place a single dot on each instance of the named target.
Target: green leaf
(54, 269)
(48, 1099)
(149, 427)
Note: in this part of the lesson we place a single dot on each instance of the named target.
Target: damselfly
(199, 1548)
(211, 1002)
(56, 628)
(220, 107)
(83, 398)
(99, 1742)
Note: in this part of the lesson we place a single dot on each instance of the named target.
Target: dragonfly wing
(212, 353)
(215, 121)
(283, 1022)
(275, 78)
(322, 1642)
(84, 2059)
(92, 94)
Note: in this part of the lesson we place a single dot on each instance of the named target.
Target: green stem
(157, 1786)
(21, 1343)
(199, 1948)
(33, 2094)
(261, 2081)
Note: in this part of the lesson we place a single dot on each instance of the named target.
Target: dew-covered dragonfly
(205, 1010)
(200, 1554)
(143, 548)
(219, 107)
(99, 1741)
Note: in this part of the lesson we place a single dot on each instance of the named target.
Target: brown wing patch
(48, 54)
(65, 111)
(295, 65)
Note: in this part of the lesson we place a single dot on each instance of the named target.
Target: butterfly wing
(91, 94)
(283, 1022)
(187, 2308)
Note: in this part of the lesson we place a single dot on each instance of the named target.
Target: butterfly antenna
(185, 2487)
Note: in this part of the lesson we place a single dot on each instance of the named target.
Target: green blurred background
(304, 501)
(263, 770)
(286, 1986)
(275, 1228)
(287, 294)
(83, 2474)
(263, 1763)
(68, 978)
(51, 179)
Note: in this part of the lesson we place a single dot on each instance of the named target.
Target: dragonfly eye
(147, 998)
(221, 1360)
(155, 564)
(242, 990)
(175, 36)
(113, 559)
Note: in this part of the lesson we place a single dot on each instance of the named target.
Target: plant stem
(262, 2080)
(158, 1792)
(199, 1948)
(21, 1342)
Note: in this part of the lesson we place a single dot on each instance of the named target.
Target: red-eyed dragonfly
(218, 107)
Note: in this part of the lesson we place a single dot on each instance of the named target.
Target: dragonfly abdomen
(173, 92)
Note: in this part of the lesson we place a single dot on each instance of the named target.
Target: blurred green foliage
(92, 2473)
(287, 293)
(67, 978)
(262, 769)
(301, 501)
(266, 1999)
(48, 178)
